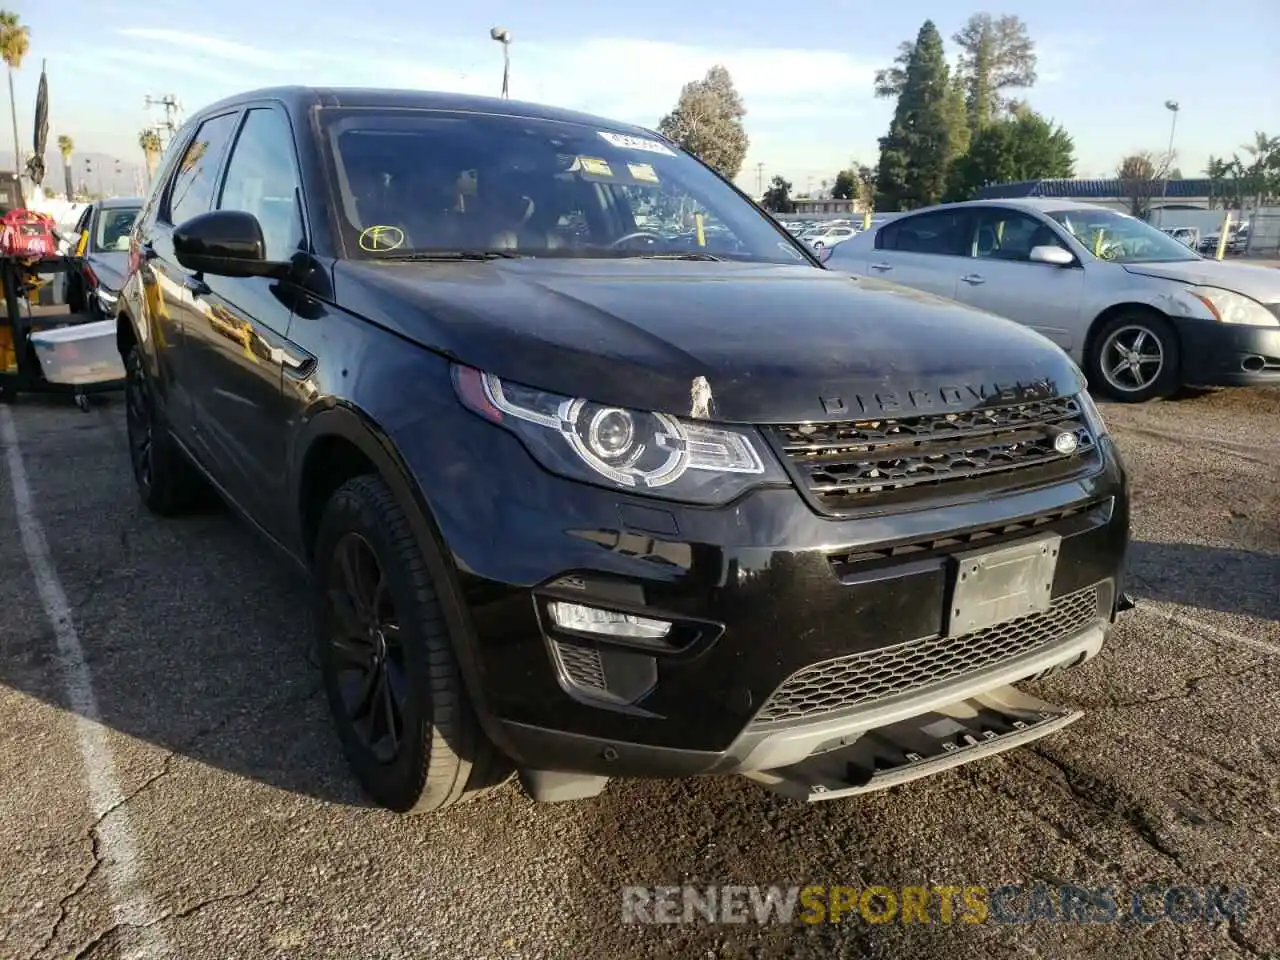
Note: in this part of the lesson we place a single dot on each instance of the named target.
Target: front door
(237, 337)
(1001, 278)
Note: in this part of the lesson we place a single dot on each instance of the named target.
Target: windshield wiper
(679, 256)
(455, 255)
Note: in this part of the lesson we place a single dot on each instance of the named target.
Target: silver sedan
(1140, 312)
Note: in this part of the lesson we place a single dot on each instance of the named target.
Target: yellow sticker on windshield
(595, 166)
(643, 171)
(381, 239)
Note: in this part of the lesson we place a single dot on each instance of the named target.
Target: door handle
(197, 286)
(973, 279)
(882, 267)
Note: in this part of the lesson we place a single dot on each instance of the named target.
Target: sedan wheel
(1135, 358)
(1132, 359)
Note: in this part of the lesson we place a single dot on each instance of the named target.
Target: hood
(110, 266)
(776, 343)
(1261, 283)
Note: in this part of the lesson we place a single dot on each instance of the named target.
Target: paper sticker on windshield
(595, 166)
(643, 171)
(636, 143)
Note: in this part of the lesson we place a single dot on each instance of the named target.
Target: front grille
(864, 678)
(852, 464)
(1067, 521)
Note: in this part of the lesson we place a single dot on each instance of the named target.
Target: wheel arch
(1115, 310)
(341, 439)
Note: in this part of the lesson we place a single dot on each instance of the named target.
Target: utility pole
(1172, 107)
(172, 108)
(759, 179)
(504, 37)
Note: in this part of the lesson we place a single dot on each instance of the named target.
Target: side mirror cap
(1052, 255)
(226, 243)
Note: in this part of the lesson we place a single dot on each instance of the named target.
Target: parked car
(605, 504)
(1139, 311)
(102, 236)
(827, 235)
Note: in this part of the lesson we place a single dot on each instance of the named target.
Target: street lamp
(504, 37)
(1172, 107)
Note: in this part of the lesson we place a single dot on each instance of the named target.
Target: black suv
(598, 472)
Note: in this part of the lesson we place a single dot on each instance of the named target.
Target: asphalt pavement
(170, 784)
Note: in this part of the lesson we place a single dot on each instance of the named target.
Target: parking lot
(207, 811)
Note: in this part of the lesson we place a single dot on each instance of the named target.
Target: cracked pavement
(253, 842)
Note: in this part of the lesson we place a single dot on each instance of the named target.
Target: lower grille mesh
(866, 677)
(581, 664)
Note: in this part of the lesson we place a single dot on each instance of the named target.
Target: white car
(828, 236)
(1137, 309)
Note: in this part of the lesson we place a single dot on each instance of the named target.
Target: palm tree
(66, 147)
(15, 39)
(149, 141)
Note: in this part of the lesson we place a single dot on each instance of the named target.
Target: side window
(940, 232)
(192, 190)
(1010, 235)
(261, 179)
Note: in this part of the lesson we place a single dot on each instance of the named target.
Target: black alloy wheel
(139, 419)
(167, 482)
(367, 648)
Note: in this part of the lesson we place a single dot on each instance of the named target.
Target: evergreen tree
(707, 121)
(916, 153)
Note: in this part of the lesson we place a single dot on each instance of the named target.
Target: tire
(1155, 341)
(167, 482)
(439, 756)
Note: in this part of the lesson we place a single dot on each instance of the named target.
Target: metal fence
(1264, 233)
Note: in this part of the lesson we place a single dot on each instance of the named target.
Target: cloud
(203, 44)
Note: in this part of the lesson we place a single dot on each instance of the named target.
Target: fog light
(584, 619)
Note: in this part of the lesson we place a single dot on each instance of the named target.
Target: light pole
(504, 37)
(1172, 107)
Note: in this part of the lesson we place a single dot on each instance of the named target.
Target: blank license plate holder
(992, 586)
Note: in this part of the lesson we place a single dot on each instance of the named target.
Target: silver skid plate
(981, 726)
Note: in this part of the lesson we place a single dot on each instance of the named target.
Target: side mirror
(226, 243)
(1052, 255)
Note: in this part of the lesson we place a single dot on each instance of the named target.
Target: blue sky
(805, 72)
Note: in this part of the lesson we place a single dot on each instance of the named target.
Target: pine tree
(707, 121)
(916, 153)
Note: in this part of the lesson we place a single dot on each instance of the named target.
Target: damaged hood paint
(771, 343)
(1260, 283)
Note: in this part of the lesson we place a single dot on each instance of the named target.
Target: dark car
(586, 500)
(107, 223)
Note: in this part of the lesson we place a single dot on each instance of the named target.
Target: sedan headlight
(1231, 307)
(650, 453)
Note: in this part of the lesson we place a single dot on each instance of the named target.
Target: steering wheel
(635, 235)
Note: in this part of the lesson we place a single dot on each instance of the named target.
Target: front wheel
(406, 724)
(1135, 358)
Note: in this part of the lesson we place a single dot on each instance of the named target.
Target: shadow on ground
(1238, 582)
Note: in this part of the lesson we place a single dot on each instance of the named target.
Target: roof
(112, 203)
(1087, 189)
(299, 99)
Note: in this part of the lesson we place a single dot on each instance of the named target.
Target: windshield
(1118, 237)
(114, 224)
(417, 182)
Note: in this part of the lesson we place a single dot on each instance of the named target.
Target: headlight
(1092, 415)
(1231, 307)
(650, 453)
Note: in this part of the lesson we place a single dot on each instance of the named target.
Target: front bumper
(762, 589)
(1228, 355)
